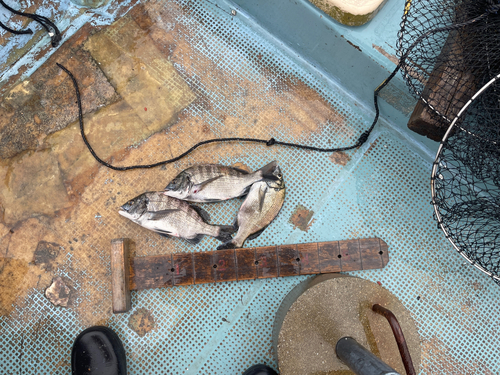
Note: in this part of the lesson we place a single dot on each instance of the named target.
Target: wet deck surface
(163, 77)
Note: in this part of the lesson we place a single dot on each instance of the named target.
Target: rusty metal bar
(398, 335)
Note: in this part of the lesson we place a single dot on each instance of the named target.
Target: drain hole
(172, 270)
(297, 259)
(380, 252)
(256, 262)
(215, 265)
(339, 256)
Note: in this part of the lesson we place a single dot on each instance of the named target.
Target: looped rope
(55, 35)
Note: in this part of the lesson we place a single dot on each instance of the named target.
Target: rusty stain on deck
(301, 218)
(340, 158)
(141, 322)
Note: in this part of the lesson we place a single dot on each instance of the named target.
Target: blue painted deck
(383, 190)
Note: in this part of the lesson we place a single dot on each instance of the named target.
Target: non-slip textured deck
(172, 73)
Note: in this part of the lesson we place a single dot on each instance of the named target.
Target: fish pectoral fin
(262, 194)
(236, 225)
(256, 234)
(204, 214)
(158, 215)
(163, 233)
(195, 240)
(204, 184)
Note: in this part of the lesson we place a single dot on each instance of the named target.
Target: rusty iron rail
(398, 335)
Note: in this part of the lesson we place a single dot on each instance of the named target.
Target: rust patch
(46, 254)
(58, 292)
(436, 359)
(12, 272)
(141, 322)
(352, 44)
(340, 158)
(301, 218)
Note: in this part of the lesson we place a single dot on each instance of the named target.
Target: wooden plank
(288, 260)
(384, 252)
(240, 264)
(266, 262)
(182, 269)
(329, 257)
(370, 253)
(309, 258)
(225, 265)
(447, 89)
(350, 255)
(150, 272)
(120, 275)
(203, 268)
(247, 269)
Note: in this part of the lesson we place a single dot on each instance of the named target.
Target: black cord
(361, 140)
(55, 37)
(5, 27)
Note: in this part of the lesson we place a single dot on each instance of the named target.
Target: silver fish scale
(187, 216)
(158, 201)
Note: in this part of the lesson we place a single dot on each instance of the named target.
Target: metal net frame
(450, 60)
(465, 180)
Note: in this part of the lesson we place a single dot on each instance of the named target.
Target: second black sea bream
(213, 182)
(260, 207)
(169, 216)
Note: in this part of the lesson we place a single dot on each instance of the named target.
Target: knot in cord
(271, 142)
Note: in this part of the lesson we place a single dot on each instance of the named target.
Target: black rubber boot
(260, 370)
(98, 351)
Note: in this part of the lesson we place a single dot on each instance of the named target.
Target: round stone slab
(320, 311)
(350, 12)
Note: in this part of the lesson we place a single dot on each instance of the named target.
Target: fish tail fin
(225, 232)
(227, 245)
(266, 172)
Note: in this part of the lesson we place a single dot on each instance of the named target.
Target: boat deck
(159, 76)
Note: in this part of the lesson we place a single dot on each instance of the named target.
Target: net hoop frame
(433, 177)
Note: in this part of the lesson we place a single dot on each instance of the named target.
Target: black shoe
(98, 351)
(260, 370)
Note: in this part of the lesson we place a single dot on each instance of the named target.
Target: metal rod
(398, 335)
(360, 360)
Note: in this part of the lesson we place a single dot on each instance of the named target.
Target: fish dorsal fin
(241, 170)
(200, 187)
(158, 215)
(204, 214)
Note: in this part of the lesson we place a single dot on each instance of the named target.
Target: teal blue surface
(383, 190)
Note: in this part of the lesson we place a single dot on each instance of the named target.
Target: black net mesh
(466, 181)
(449, 52)
(458, 51)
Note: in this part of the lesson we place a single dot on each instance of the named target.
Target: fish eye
(279, 175)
